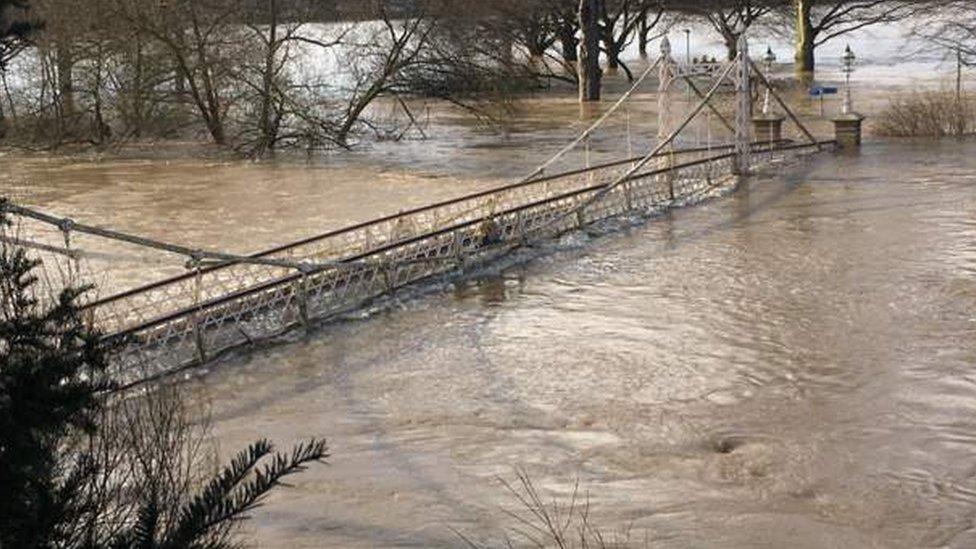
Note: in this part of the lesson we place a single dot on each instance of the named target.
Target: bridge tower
(666, 76)
(743, 109)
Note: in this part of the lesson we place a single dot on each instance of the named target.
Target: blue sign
(820, 91)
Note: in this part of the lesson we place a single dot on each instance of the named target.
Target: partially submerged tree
(621, 21)
(731, 19)
(566, 15)
(204, 41)
(819, 21)
(590, 74)
(15, 27)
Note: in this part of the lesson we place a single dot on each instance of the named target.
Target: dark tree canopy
(15, 27)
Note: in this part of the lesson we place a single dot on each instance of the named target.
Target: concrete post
(847, 130)
(768, 128)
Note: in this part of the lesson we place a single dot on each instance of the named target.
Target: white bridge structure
(225, 301)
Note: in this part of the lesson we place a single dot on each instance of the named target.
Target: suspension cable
(195, 255)
(541, 169)
(647, 158)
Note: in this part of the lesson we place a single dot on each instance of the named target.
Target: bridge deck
(188, 319)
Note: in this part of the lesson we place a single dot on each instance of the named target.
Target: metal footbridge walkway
(225, 301)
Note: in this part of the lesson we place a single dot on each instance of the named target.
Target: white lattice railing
(187, 320)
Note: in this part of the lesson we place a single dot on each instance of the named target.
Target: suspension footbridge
(224, 301)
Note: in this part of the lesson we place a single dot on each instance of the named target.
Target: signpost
(821, 91)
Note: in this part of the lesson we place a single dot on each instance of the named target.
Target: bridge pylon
(743, 108)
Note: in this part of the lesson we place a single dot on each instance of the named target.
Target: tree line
(262, 75)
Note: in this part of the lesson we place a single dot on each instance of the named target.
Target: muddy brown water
(791, 365)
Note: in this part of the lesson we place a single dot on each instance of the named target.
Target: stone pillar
(847, 130)
(767, 128)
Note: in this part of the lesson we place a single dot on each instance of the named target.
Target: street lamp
(848, 68)
(688, 46)
(768, 61)
(688, 61)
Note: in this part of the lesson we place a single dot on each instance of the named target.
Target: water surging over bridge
(225, 301)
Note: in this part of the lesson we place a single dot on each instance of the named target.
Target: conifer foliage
(84, 466)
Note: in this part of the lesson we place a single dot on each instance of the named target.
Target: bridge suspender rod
(711, 107)
(789, 112)
(650, 156)
(593, 127)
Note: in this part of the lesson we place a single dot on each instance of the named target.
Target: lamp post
(848, 68)
(768, 126)
(847, 126)
(688, 61)
(688, 46)
(768, 61)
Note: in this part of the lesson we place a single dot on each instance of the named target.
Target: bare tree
(948, 26)
(621, 21)
(566, 15)
(819, 21)
(204, 41)
(731, 19)
(15, 27)
(534, 27)
(275, 29)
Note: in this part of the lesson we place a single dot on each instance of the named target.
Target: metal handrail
(414, 211)
(292, 278)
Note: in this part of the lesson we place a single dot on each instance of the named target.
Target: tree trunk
(66, 92)
(731, 45)
(179, 80)
(643, 34)
(567, 38)
(535, 40)
(805, 62)
(589, 58)
(216, 128)
(612, 52)
(266, 126)
(101, 131)
(137, 88)
(613, 60)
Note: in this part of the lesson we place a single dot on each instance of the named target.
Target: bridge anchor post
(847, 131)
(768, 128)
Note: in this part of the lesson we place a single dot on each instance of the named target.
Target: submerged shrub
(927, 114)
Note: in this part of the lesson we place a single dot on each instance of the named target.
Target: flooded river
(791, 365)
